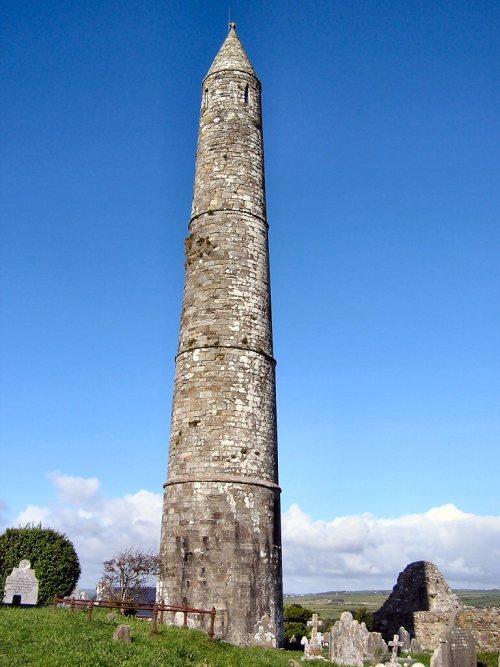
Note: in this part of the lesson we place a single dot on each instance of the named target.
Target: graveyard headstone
(415, 646)
(314, 647)
(264, 632)
(21, 586)
(348, 641)
(404, 638)
(459, 648)
(122, 634)
(395, 644)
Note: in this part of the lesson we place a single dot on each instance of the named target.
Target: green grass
(48, 637)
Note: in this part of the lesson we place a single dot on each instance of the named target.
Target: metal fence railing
(158, 610)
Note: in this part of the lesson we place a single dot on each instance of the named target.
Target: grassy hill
(48, 637)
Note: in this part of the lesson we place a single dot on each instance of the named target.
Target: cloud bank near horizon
(350, 552)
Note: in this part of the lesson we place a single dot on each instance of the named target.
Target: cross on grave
(314, 647)
(395, 643)
(314, 624)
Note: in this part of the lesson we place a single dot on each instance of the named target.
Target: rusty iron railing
(157, 609)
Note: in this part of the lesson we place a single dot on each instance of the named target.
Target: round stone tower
(221, 536)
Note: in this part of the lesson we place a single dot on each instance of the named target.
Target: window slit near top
(246, 94)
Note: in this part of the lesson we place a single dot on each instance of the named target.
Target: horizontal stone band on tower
(272, 360)
(224, 478)
(233, 210)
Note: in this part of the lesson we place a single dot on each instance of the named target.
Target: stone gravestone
(404, 638)
(415, 646)
(376, 647)
(264, 632)
(122, 634)
(314, 647)
(437, 657)
(395, 644)
(459, 649)
(21, 586)
(348, 641)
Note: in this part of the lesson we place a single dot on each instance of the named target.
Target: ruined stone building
(221, 537)
(420, 587)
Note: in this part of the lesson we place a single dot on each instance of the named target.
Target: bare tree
(128, 574)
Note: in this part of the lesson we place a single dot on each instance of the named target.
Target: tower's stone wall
(221, 538)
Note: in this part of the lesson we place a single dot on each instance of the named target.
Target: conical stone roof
(231, 56)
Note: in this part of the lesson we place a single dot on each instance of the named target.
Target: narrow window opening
(205, 97)
(246, 94)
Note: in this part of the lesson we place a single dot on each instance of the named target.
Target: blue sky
(382, 132)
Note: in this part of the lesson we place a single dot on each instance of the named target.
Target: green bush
(296, 617)
(51, 554)
(362, 615)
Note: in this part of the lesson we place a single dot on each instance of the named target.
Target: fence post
(89, 610)
(154, 627)
(212, 623)
(162, 603)
(185, 616)
(72, 604)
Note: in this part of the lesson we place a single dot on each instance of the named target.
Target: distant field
(332, 603)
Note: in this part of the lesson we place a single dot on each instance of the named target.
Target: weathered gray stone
(415, 646)
(459, 648)
(314, 646)
(348, 641)
(404, 638)
(437, 656)
(420, 587)
(122, 634)
(265, 632)
(221, 538)
(395, 645)
(376, 647)
(21, 586)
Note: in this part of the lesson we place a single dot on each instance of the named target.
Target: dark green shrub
(51, 554)
(297, 613)
(362, 615)
(296, 617)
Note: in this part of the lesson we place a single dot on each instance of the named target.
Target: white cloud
(350, 552)
(366, 552)
(75, 490)
(98, 527)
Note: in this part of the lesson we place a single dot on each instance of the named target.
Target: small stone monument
(348, 641)
(415, 646)
(376, 647)
(122, 634)
(314, 647)
(264, 632)
(21, 586)
(459, 648)
(395, 644)
(404, 638)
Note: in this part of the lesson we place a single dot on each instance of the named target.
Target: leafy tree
(51, 554)
(128, 574)
(296, 617)
(362, 615)
(297, 613)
